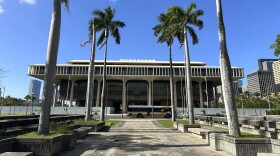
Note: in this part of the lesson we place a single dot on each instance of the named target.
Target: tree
(276, 46)
(183, 20)
(105, 23)
(91, 71)
(27, 98)
(226, 76)
(50, 68)
(166, 33)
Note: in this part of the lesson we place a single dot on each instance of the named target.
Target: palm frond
(190, 9)
(101, 38)
(66, 5)
(98, 13)
(116, 34)
(119, 24)
(276, 46)
(193, 35)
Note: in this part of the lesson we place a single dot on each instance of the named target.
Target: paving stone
(142, 138)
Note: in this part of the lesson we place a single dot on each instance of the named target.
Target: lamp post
(32, 103)
(3, 98)
(269, 87)
(206, 91)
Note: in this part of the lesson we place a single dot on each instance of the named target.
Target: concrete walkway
(142, 138)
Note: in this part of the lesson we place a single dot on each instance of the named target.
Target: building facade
(135, 82)
(35, 88)
(262, 80)
(276, 74)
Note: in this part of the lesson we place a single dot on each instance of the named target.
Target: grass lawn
(83, 122)
(166, 123)
(12, 114)
(55, 130)
(111, 123)
(185, 122)
(248, 136)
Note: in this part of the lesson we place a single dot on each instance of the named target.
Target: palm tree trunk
(91, 72)
(226, 76)
(50, 68)
(171, 84)
(103, 96)
(188, 78)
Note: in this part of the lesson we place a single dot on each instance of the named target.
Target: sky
(251, 27)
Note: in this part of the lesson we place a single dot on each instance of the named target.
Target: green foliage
(83, 122)
(247, 135)
(111, 123)
(185, 122)
(276, 46)
(273, 112)
(55, 130)
(103, 20)
(166, 123)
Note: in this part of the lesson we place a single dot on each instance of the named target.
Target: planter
(7, 145)
(46, 146)
(239, 146)
(184, 128)
(275, 143)
(95, 128)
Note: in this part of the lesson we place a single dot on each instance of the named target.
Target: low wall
(7, 145)
(245, 111)
(240, 146)
(268, 126)
(54, 110)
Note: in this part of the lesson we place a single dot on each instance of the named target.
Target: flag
(85, 42)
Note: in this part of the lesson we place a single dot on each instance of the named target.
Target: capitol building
(134, 82)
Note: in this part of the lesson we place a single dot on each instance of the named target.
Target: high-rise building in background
(35, 88)
(276, 74)
(262, 80)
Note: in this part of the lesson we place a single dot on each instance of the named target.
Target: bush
(273, 112)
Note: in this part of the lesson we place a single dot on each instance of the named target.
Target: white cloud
(31, 2)
(1, 10)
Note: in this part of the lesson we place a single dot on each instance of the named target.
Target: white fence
(111, 110)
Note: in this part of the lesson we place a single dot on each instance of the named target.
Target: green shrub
(273, 112)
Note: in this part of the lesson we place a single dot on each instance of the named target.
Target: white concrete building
(135, 82)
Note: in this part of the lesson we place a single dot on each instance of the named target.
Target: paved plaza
(142, 138)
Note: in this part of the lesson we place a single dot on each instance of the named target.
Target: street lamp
(3, 97)
(32, 102)
(268, 96)
(206, 91)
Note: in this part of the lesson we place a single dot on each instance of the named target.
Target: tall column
(200, 94)
(62, 103)
(124, 102)
(97, 103)
(150, 94)
(55, 94)
(72, 92)
(216, 97)
(175, 94)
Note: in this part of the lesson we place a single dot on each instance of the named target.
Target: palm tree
(183, 19)
(105, 23)
(51, 58)
(226, 76)
(166, 33)
(91, 71)
(276, 46)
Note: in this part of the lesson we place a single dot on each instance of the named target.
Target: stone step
(268, 154)
(17, 154)
(145, 130)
